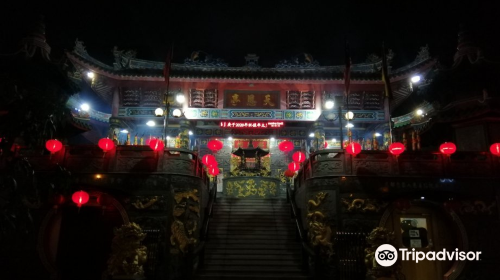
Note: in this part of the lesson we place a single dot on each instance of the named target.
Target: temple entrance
(250, 171)
(425, 228)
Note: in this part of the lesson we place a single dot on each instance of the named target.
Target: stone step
(293, 247)
(221, 242)
(230, 276)
(259, 262)
(214, 256)
(234, 251)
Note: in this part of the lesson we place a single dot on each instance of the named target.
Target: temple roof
(127, 67)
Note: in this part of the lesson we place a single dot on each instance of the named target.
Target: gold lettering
(251, 100)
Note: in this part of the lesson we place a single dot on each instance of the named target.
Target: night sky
(274, 30)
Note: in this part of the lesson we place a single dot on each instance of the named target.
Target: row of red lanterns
(106, 144)
(298, 157)
(397, 148)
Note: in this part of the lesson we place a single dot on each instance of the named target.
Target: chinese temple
(196, 169)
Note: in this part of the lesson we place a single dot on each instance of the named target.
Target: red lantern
(402, 204)
(106, 144)
(285, 146)
(80, 198)
(53, 145)
(293, 166)
(396, 148)
(214, 171)
(326, 144)
(299, 157)
(208, 160)
(215, 145)
(353, 148)
(495, 149)
(213, 164)
(156, 145)
(289, 173)
(447, 148)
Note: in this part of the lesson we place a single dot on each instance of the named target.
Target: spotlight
(180, 98)
(85, 107)
(124, 131)
(90, 75)
(349, 125)
(230, 138)
(377, 134)
(329, 104)
(311, 135)
(150, 123)
(415, 79)
(190, 132)
(420, 112)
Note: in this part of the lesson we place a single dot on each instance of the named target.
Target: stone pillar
(114, 128)
(318, 142)
(115, 104)
(183, 135)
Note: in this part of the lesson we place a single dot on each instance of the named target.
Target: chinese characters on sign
(264, 125)
(251, 99)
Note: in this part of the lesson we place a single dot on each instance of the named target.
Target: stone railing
(409, 164)
(123, 159)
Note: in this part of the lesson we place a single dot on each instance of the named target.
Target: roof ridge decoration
(423, 54)
(303, 60)
(201, 58)
(122, 58)
(80, 50)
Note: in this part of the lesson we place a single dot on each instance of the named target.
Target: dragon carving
(186, 212)
(320, 233)
(128, 255)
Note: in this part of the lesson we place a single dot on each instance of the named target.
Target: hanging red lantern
(106, 144)
(214, 171)
(447, 148)
(299, 157)
(326, 144)
(396, 148)
(213, 164)
(215, 145)
(402, 204)
(53, 145)
(289, 173)
(495, 149)
(208, 160)
(353, 148)
(285, 146)
(293, 166)
(80, 198)
(156, 145)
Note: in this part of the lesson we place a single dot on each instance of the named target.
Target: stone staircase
(252, 239)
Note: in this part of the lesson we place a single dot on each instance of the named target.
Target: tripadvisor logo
(386, 255)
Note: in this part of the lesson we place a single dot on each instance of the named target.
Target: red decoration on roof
(495, 149)
(353, 148)
(285, 146)
(215, 145)
(53, 145)
(299, 157)
(106, 144)
(396, 148)
(156, 145)
(80, 198)
(448, 148)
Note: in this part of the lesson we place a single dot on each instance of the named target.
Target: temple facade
(160, 213)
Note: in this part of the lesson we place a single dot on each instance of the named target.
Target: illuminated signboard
(264, 125)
